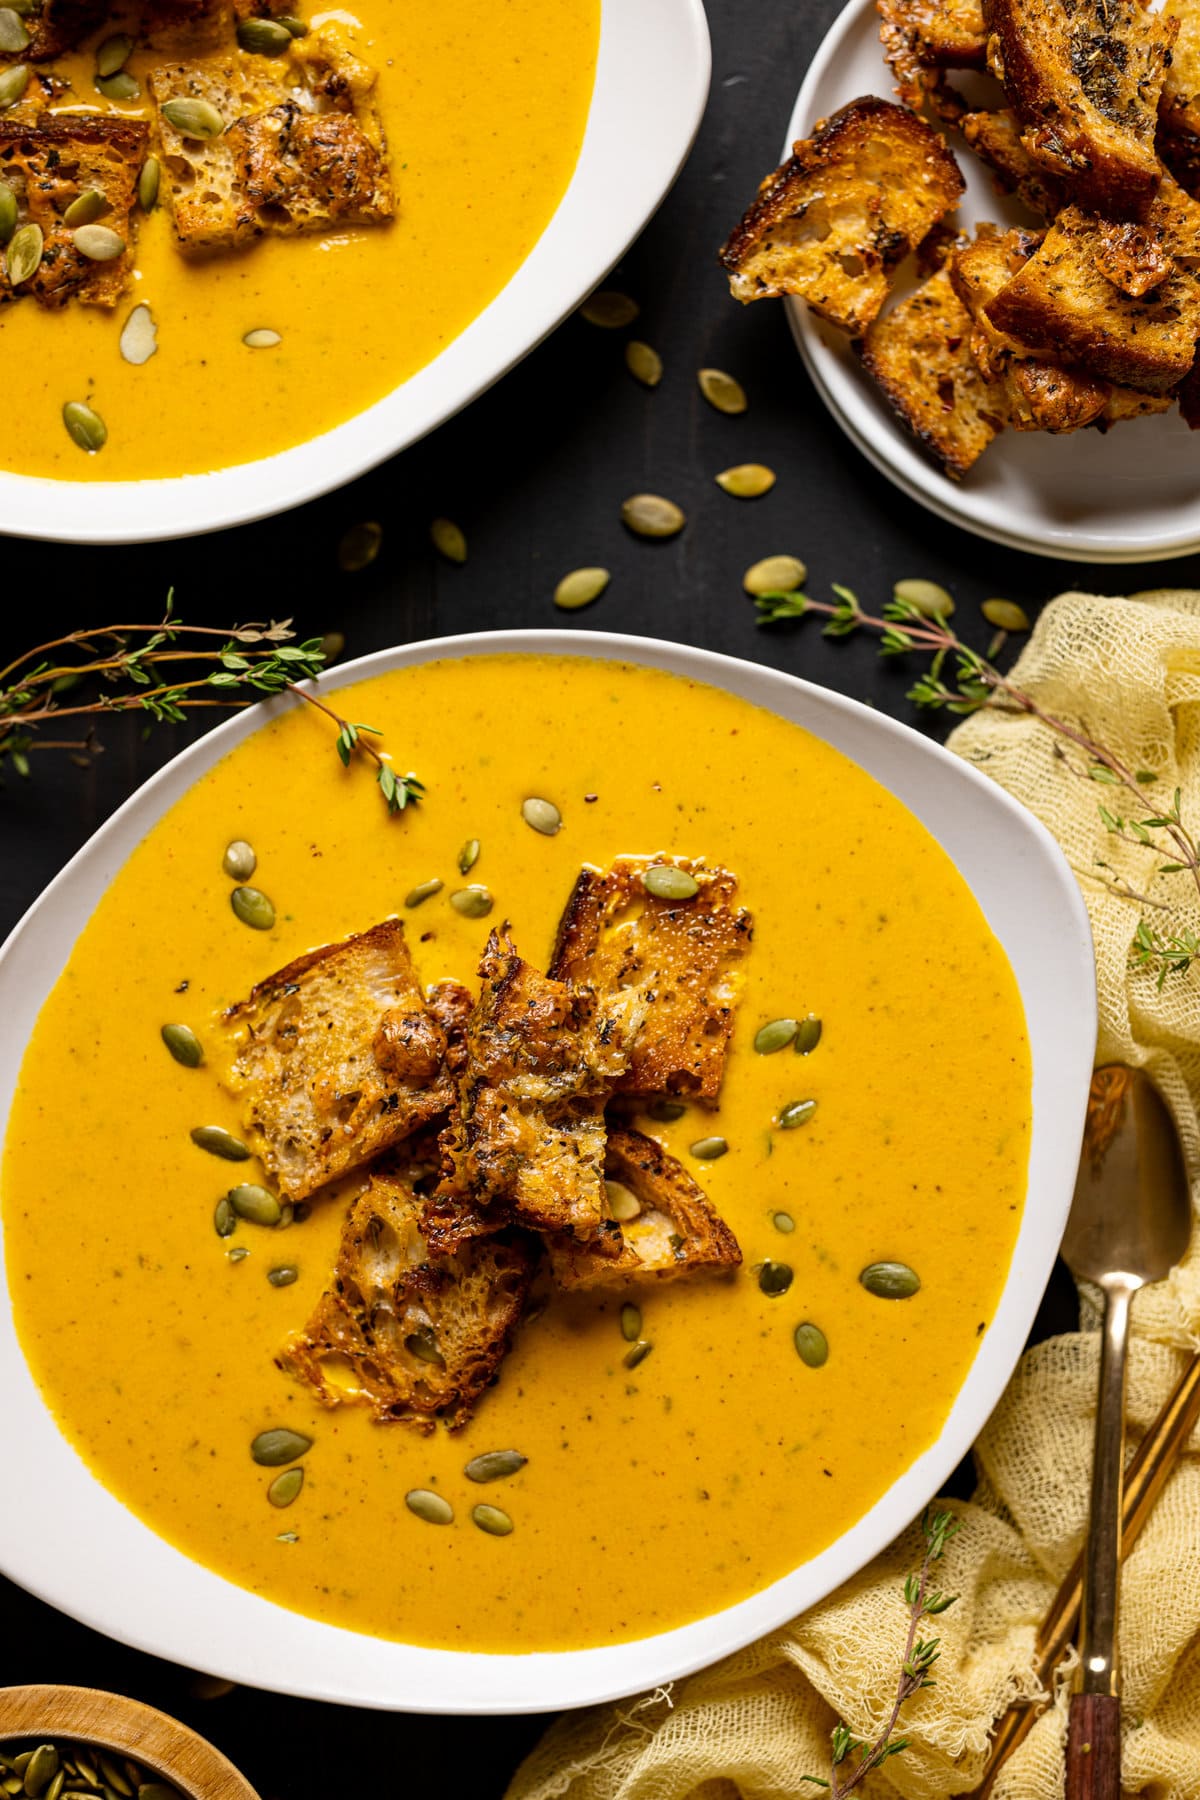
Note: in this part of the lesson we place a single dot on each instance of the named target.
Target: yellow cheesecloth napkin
(1128, 673)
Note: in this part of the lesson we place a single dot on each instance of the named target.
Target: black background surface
(535, 473)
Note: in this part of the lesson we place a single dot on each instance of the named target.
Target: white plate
(1130, 496)
(67, 1539)
(652, 78)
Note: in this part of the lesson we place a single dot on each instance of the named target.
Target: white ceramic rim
(651, 85)
(880, 438)
(69, 1541)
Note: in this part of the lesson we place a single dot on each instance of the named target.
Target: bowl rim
(1032, 903)
(132, 1728)
(654, 64)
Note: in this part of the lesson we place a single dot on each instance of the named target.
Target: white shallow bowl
(1132, 495)
(68, 1540)
(652, 78)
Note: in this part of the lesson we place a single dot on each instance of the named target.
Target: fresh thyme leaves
(167, 670)
(852, 1759)
(960, 680)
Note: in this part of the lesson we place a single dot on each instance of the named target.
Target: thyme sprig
(852, 1759)
(165, 671)
(960, 680)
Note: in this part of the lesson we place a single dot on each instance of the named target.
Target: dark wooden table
(535, 473)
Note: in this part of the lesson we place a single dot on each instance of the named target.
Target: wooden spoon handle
(1094, 1748)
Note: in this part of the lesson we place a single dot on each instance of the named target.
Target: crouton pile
(1089, 315)
(477, 1138)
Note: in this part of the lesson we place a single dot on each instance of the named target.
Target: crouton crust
(922, 36)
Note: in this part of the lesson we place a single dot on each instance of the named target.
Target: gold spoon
(1130, 1222)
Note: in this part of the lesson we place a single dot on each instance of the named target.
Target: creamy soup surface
(484, 109)
(651, 1496)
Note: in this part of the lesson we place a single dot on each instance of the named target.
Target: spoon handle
(1094, 1747)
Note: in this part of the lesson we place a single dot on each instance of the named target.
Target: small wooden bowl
(160, 1744)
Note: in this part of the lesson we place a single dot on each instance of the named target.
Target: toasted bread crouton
(1133, 257)
(995, 138)
(54, 27)
(1130, 403)
(673, 961)
(413, 1337)
(1084, 78)
(525, 1143)
(1179, 103)
(921, 36)
(669, 1226)
(833, 222)
(920, 354)
(48, 164)
(338, 1059)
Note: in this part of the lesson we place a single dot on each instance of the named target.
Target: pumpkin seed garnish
(239, 861)
(283, 1275)
(812, 1346)
(422, 1343)
(13, 35)
(637, 1353)
(193, 118)
(775, 575)
(121, 86)
(609, 309)
(474, 902)
(631, 1322)
(253, 908)
(219, 1142)
(148, 184)
(295, 27)
(263, 37)
(783, 1222)
(448, 540)
(238, 1254)
(494, 1465)
(927, 597)
(1005, 615)
(746, 481)
(283, 1490)
(13, 83)
(287, 1214)
(183, 1044)
(890, 1280)
(360, 546)
(224, 1217)
(643, 363)
(708, 1149)
(85, 208)
(139, 337)
(113, 53)
(580, 588)
(418, 895)
(24, 250)
(797, 1112)
(8, 212)
(84, 427)
(492, 1520)
(41, 1768)
(775, 1278)
(263, 338)
(775, 1035)
(99, 243)
(468, 856)
(271, 1449)
(622, 1204)
(249, 1201)
(808, 1035)
(429, 1506)
(666, 1111)
(722, 391)
(541, 815)
(652, 516)
(666, 882)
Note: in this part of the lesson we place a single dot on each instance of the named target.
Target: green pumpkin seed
(609, 309)
(666, 882)
(238, 1254)
(775, 1035)
(113, 53)
(652, 516)
(808, 1035)
(24, 251)
(193, 118)
(448, 540)
(580, 588)
(708, 1149)
(468, 856)
(494, 1465)
(287, 1214)
(13, 35)
(631, 1322)
(99, 243)
(219, 1142)
(666, 1111)
(422, 1343)
(746, 481)
(249, 1201)
(148, 182)
(722, 391)
(183, 1044)
(784, 1222)
(775, 1278)
(798, 1112)
(927, 597)
(541, 815)
(360, 546)
(637, 1353)
(622, 1204)
(286, 1487)
(812, 1346)
(293, 26)
(253, 908)
(775, 575)
(121, 86)
(429, 1506)
(239, 861)
(41, 1768)
(643, 363)
(418, 895)
(492, 1520)
(283, 1275)
(474, 902)
(263, 338)
(54, 1791)
(114, 1777)
(9, 212)
(13, 83)
(224, 1217)
(85, 208)
(84, 427)
(890, 1280)
(263, 37)
(271, 1449)
(333, 642)
(1005, 615)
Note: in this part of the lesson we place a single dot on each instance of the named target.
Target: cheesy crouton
(48, 164)
(339, 1058)
(995, 138)
(920, 37)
